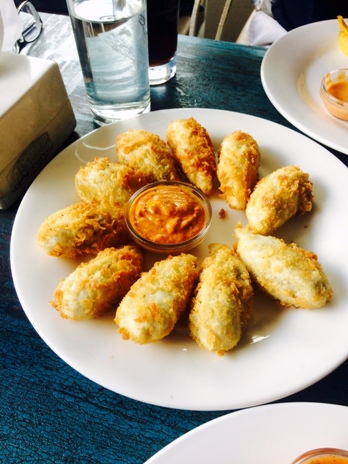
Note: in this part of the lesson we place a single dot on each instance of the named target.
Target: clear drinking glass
(111, 40)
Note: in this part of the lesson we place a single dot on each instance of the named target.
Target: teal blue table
(49, 412)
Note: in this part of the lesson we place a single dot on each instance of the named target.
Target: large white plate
(291, 73)
(283, 352)
(271, 434)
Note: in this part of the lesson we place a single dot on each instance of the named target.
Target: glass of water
(111, 40)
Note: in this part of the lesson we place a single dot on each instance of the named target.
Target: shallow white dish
(283, 352)
(269, 434)
(291, 73)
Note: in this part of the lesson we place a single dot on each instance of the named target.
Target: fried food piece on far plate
(97, 286)
(104, 181)
(83, 229)
(147, 154)
(237, 168)
(155, 302)
(277, 197)
(220, 304)
(342, 35)
(194, 151)
(290, 274)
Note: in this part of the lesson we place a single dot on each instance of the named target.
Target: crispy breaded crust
(220, 304)
(97, 286)
(194, 151)
(155, 302)
(237, 168)
(290, 274)
(83, 229)
(104, 181)
(147, 154)
(278, 197)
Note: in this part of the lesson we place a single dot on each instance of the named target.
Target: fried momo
(155, 302)
(104, 181)
(278, 197)
(220, 304)
(290, 274)
(194, 151)
(97, 286)
(82, 229)
(237, 168)
(147, 154)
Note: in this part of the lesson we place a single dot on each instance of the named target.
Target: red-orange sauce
(327, 459)
(167, 214)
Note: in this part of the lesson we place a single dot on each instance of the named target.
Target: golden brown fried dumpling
(97, 286)
(104, 181)
(290, 274)
(277, 197)
(220, 305)
(155, 302)
(83, 229)
(194, 151)
(147, 154)
(237, 169)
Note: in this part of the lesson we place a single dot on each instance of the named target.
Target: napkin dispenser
(36, 117)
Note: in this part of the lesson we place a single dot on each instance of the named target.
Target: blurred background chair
(221, 19)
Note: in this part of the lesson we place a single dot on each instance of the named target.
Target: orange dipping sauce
(339, 90)
(167, 214)
(323, 456)
(334, 93)
(329, 459)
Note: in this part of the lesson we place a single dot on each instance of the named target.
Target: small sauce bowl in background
(323, 456)
(334, 93)
(168, 217)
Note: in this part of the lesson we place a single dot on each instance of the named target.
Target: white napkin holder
(36, 117)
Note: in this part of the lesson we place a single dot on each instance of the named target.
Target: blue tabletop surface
(49, 412)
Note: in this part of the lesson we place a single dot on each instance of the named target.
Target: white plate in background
(271, 434)
(291, 73)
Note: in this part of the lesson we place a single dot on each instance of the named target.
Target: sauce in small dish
(168, 217)
(334, 93)
(323, 456)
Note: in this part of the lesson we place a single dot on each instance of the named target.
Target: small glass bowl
(335, 106)
(176, 247)
(323, 456)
